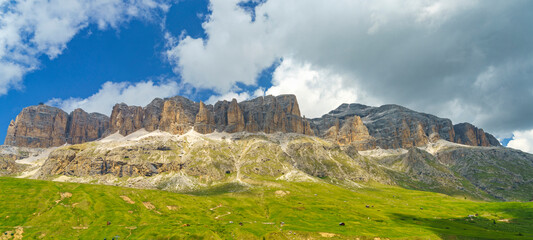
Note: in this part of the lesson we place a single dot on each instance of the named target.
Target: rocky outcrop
(61, 162)
(353, 132)
(235, 118)
(205, 120)
(38, 127)
(466, 133)
(85, 127)
(44, 126)
(393, 126)
(271, 114)
(126, 119)
(152, 114)
(504, 173)
(388, 126)
(479, 172)
(179, 115)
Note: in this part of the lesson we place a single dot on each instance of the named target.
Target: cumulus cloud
(427, 55)
(32, 28)
(138, 94)
(318, 90)
(206, 64)
(522, 140)
(239, 96)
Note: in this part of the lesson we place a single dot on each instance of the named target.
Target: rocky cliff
(388, 126)
(393, 126)
(44, 126)
(84, 127)
(468, 134)
(179, 115)
(38, 126)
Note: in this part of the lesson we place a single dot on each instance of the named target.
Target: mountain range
(176, 144)
(386, 127)
(180, 169)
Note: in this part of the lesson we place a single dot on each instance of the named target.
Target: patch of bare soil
(327, 235)
(172, 208)
(281, 193)
(80, 227)
(127, 199)
(17, 235)
(149, 205)
(63, 196)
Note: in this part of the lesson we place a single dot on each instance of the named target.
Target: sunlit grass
(307, 210)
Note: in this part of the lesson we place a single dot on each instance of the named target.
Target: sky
(469, 61)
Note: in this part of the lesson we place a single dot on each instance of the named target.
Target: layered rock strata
(468, 134)
(44, 126)
(392, 126)
(388, 126)
(83, 127)
(38, 127)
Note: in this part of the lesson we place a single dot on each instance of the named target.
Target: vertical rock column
(85, 127)
(126, 119)
(235, 118)
(205, 120)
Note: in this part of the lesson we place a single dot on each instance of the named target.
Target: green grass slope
(50, 210)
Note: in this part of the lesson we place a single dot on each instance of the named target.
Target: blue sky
(467, 61)
(131, 53)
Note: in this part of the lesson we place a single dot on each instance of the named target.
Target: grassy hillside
(51, 210)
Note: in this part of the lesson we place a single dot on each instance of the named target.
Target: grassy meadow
(34, 209)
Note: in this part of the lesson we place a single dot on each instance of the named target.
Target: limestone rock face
(178, 115)
(85, 127)
(70, 162)
(352, 132)
(44, 126)
(271, 114)
(205, 120)
(390, 126)
(393, 126)
(126, 119)
(363, 127)
(152, 114)
(235, 118)
(38, 127)
(466, 133)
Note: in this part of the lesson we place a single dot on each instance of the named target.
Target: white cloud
(31, 28)
(228, 97)
(231, 55)
(8, 72)
(318, 90)
(239, 96)
(421, 54)
(522, 140)
(138, 94)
